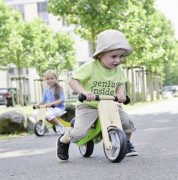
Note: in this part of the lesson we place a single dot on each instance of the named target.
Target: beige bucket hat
(110, 40)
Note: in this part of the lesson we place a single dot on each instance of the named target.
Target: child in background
(54, 95)
(102, 76)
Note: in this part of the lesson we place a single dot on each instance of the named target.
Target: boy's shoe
(62, 150)
(130, 150)
(60, 129)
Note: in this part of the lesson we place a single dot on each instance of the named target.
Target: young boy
(102, 76)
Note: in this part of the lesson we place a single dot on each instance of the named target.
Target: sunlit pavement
(2, 106)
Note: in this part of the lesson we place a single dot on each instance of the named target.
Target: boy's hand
(89, 95)
(121, 98)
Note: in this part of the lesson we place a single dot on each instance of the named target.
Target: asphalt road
(156, 140)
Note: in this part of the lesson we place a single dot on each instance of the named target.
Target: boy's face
(112, 59)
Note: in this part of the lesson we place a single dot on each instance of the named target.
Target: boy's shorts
(86, 116)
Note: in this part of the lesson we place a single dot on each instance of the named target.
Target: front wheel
(86, 150)
(38, 130)
(119, 145)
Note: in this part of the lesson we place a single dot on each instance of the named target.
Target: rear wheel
(86, 150)
(38, 128)
(119, 145)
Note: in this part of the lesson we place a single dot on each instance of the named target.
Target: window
(11, 71)
(42, 11)
(19, 8)
(27, 72)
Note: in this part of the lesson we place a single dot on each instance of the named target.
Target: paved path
(156, 140)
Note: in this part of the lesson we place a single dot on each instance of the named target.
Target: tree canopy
(148, 31)
(32, 44)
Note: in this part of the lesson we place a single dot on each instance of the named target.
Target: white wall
(34, 85)
(30, 11)
(12, 2)
(3, 79)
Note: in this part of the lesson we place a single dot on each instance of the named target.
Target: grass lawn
(28, 110)
(141, 104)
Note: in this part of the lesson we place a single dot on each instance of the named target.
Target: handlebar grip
(53, 106)
(127, 101)
(82, 97)
(115, 99)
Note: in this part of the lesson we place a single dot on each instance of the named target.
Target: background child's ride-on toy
(40, 127)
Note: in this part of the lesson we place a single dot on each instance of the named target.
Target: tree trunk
(151, 86)
(20, 87)
(157, 87)
(18, 95)
(143, 85)
(35, 90)
(133, 87)
(13, 100)
(93, 41)
(128, 82)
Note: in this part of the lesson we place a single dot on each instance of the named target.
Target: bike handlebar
(82, 98)
(42, 106)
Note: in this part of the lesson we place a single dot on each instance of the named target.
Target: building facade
(31, 9)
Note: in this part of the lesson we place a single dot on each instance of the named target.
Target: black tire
(37, 128)
(8, 103)
(86, 150)
(119, 145)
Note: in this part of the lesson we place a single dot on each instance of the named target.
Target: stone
(15, 122)
(70, 108)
